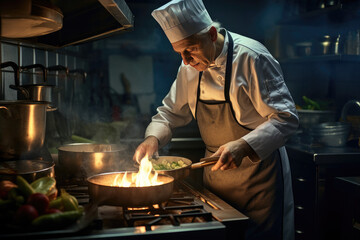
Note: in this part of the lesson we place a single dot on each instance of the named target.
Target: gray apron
(254, 188)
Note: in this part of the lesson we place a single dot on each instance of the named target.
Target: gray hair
(217, 25)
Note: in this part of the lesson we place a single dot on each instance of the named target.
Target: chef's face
(197, 50)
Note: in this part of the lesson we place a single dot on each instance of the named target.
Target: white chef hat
(182, 18)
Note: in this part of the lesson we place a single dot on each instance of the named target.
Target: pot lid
(23, 102)
(26, 18)
(25, 166)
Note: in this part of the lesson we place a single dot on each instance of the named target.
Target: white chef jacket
(259, 96)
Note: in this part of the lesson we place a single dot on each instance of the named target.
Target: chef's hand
(148, 147)
(232, 153)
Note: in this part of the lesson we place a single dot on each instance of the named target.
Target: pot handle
(24, 92)
(15, 69)
(7, 115)
(51, 109)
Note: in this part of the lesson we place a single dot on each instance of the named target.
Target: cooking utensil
(102, 192)
(333, 134)
(91, 158)
(15, 67)
(22, 127)
(308, 118)
(183, 172)
(28, 169)
(34, 92)
(303, 49)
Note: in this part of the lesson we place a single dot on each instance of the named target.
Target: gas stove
(190, 212)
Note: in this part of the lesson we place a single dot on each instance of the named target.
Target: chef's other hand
(148, 147)
(232, 153)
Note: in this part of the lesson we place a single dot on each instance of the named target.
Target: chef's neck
(219, 44)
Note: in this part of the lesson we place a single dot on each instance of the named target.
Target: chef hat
(182, 18)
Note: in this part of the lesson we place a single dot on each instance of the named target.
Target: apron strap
(228, 69)
(198, 95)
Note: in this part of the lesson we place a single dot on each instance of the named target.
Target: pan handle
(205, 162)
(209, 159)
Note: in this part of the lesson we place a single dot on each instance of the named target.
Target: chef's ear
(213, 33)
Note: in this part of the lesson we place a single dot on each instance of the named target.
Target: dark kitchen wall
(280, 25)
(72, 94)
(130, 73)
(250, 18)
(22, 55)
(318, 46)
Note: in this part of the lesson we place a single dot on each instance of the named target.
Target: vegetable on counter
(25, 214)
(47, 186)
(36, 204)
(79, 139)
(44, 185)
(58, 219)
(5, 187)
(24, 186)
(40, 201)
(311, 104)
(65, 202)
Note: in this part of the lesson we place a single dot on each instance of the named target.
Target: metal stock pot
(22, 127)
(90, 158)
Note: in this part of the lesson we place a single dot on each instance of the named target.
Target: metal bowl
(332, 134)
(309, 118)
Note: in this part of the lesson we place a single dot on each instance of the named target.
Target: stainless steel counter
(326, 155)
(313, 170)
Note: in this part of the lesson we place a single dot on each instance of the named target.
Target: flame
(146, 176)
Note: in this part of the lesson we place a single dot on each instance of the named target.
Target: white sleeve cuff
(160, 131)
(264, 140)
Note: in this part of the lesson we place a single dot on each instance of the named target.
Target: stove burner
(164, 214)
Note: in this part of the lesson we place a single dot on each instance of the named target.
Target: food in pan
(163, 164)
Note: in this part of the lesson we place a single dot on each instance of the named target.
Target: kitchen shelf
(322, 58)
(333, 14)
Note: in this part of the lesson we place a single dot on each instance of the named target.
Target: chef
(235, 90)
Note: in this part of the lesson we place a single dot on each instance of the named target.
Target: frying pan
(183, 172)
(102, 192)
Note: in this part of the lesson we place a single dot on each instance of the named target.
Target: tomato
(25, 214)
(40, 201)
(52, 210)
(5, 187)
